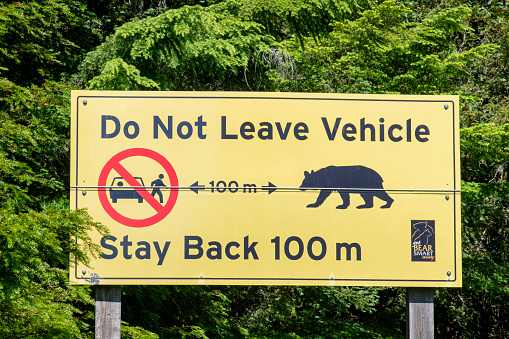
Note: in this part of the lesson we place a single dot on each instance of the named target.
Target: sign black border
(261, 280)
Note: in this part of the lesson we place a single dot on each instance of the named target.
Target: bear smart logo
(342, 178)
(423, 240)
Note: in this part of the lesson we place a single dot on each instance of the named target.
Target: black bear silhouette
(340, 179)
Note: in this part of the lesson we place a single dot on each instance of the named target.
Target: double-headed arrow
(196, 187)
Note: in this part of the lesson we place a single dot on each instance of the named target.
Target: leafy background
(49, 47)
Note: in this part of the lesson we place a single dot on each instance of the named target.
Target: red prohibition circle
(161, 210)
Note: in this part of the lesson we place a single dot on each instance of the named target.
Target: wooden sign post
(419, 313)
(107, 311)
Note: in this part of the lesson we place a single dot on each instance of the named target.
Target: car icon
(124, 193)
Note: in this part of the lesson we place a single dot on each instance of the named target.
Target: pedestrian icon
(156, 190)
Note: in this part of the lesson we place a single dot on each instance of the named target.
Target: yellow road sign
(269, 188)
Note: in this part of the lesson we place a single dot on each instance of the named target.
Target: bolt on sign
(268, 188)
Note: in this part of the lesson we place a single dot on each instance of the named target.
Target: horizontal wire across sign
(423, 190)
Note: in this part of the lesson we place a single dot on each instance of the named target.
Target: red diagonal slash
(141, 190)
(114, 165)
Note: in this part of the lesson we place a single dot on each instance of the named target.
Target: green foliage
(382, 52)
(118, 75)
(34, 147)
(39, 42)
(480, 110)
(485, 153)
(486, 92)
(42, 39)
(485, 211)
(414, 47)
(35, 297)
(190, 48)
(253, 312)
(179, 311)
(275, 66)
(480, 308)
(135, 332)
(300, 311)
(114, 13)
(286, 18)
